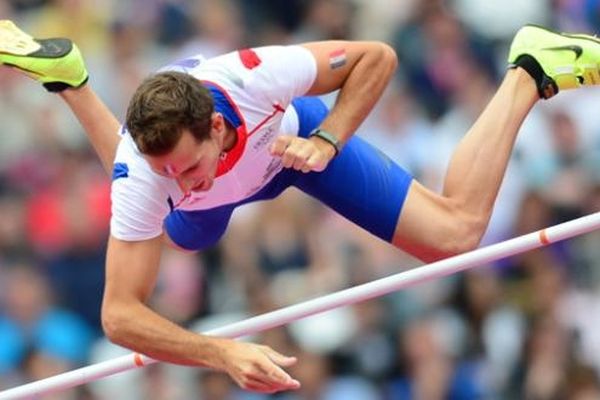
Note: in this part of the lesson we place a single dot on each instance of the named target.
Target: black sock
(56, 87)
(545, 85)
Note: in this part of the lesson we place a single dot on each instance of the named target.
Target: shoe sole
(46, 49)
(19, 50)
(14, 41)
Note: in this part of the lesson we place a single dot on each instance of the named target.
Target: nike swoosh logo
(52, 48)
(572, 47)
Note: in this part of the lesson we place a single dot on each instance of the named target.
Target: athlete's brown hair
(163, 106)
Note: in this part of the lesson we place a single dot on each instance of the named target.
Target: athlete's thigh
(363, 185)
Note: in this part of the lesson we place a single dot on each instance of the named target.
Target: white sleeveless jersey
(253, 89)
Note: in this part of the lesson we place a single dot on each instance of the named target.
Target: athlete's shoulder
(127, 151)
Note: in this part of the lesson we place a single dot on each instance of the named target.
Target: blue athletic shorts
(361, 183)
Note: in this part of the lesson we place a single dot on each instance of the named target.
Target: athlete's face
(192, 163)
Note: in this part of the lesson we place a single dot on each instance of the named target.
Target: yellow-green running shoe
(557, 61)
(57, 62)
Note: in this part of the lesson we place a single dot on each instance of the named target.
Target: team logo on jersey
(264, 139)
(273, 167)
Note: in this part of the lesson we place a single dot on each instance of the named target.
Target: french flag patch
(337, 59)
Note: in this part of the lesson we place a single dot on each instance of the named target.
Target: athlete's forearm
(140, 329)
(131, 274)
(99, 123)
(361, 90)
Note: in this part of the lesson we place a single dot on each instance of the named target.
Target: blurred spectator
(326, 20)
(399, 126)
(582, 383)
(218, 29)
(545, 361)
(499, 19)
(13, 243)
(428, 372)
(591, 9)
(80, 20)
(574, 15)
(179, 291)
(562, 175)
(437, 54)
(35, 331)
(377, 19)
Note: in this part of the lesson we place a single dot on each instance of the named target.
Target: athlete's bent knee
(465, 235)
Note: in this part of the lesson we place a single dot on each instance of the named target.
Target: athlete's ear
(218, 128)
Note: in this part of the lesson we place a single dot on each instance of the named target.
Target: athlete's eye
(160, 172)
(192, 168)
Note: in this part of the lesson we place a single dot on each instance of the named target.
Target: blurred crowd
(521, 328)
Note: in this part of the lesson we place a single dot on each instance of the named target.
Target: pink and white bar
(345, 297)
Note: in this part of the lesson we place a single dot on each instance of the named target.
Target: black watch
(328, 137)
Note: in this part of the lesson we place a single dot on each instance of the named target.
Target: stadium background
(522, 328)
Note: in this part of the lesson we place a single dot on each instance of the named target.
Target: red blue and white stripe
(337, 59)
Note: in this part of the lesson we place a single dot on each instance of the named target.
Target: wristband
(329, 138)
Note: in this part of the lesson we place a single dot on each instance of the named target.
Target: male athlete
(202, 137)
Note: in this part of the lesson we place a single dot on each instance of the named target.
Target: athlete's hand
(302, 154)
(258, 368)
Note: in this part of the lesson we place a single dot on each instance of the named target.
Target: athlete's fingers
(258, 384)
(263, 387)
(298, 153)
(316, 162)
(288, 158)
(280, 144)
(303, 153)
(274, 371)
(273, 375)
(278, 358)
(298, 163)
(270, 379)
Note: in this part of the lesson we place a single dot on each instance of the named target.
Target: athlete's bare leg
(433, 226)
(99, 123)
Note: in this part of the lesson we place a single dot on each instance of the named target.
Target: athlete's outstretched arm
(98, 122)
(131, 272)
